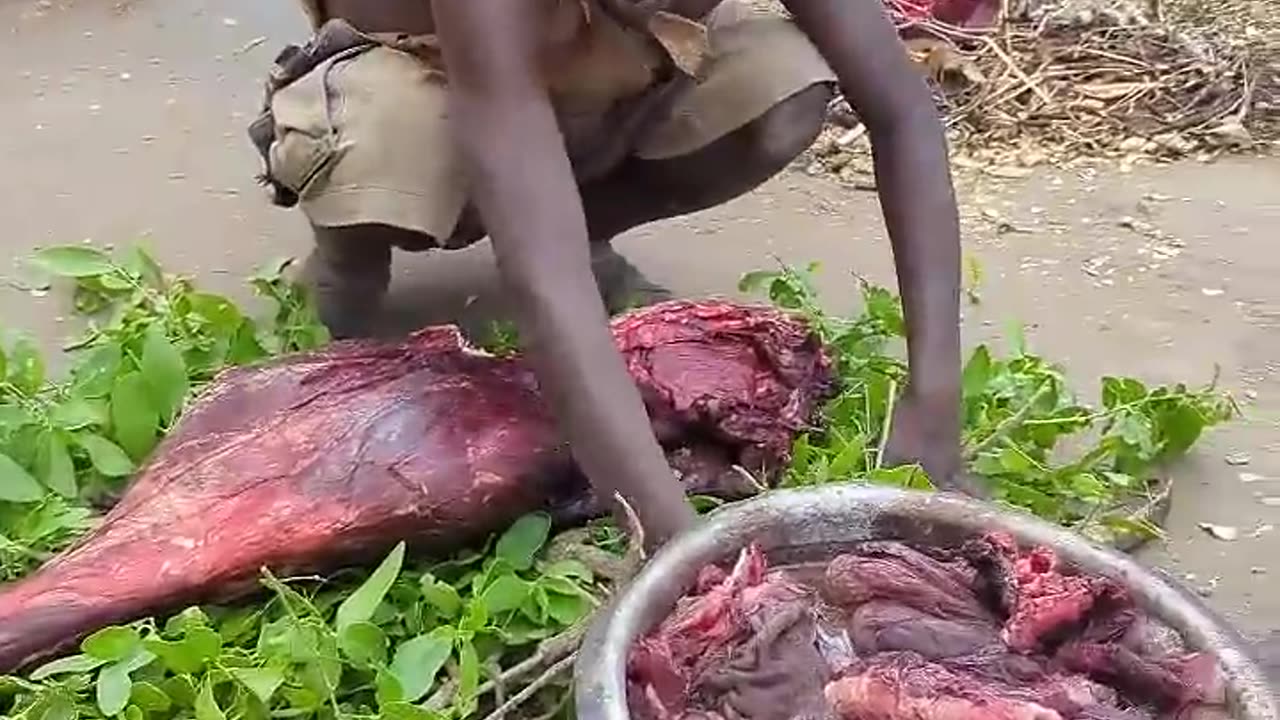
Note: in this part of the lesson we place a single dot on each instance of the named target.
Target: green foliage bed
(491, 629)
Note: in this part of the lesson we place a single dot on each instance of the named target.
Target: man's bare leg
(350, 268)
(642, 191)
(348, 273)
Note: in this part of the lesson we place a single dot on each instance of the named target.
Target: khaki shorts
(365, 138)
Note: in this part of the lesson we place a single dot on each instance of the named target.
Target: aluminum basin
(819, 523)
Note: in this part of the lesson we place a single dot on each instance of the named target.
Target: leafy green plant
(467, 636)
(152, 340)
(431, 642)
(1019, 415)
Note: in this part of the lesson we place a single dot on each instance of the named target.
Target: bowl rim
(826, 512)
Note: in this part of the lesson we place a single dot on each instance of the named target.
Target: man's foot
(622, 286)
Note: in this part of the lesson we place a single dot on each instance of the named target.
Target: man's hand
(926, 430)
(525, 190)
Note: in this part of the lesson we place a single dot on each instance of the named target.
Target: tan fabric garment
(365, 137)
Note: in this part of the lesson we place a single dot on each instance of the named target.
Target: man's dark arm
(861, 45)
(524, 187)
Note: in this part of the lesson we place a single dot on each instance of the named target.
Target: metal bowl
(815, 524)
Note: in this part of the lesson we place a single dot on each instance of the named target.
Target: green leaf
(106, 456)
(78, 413)
(977, 373)
(1180, 426)
(114, 685)
(569, 568)
(468, 679)
(387, 689)
(1120, 480)
(16, 484)
(69, 664)
(142, 264)
(361, 604)
(56, 469)
(73, 261)
(113, 689)
(206, 706)
(417, 661)
(1014, 462)
(475, 620)
(186, 622)
(26, 367)
(522, 541)
(13, 417)
(505, 594)
(112, 643)
(1136, 430)
(262, 682)
(567, 609)
(150, 698)
(133, 415)
(95, 375)
(364, 643)
(180, 689)
(756, 281)
(850, 458)
(165, 373)
(1121, 391)
(1087, 486)
(442, 596)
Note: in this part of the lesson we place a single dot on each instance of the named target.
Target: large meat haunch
(321, 459)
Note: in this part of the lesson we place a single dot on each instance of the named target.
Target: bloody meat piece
(892, 571)
(703, 632)
(1045, 601)
(777, 674)
(1165, 683)
(317, 460)
(905, 686)
(899, 650)
(880, 626)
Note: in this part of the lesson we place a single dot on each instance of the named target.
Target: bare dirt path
(126, 121)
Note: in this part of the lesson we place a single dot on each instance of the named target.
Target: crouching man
(552, 126)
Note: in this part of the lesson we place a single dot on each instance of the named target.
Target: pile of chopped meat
(893, 632)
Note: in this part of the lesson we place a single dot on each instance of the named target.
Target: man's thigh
(759, 60)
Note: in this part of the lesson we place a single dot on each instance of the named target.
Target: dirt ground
(126, 122)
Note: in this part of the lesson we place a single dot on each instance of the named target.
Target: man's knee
(790, 127)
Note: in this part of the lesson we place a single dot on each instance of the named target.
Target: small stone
(1238, 459)
(1225, 533)
(1249, 478)
(1212, 292)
